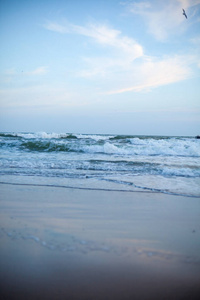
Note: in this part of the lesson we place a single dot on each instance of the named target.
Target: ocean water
(105, 162)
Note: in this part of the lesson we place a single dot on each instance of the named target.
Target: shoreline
(135, 189)
(86, 244)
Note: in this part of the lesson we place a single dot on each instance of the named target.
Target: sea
(111, 162)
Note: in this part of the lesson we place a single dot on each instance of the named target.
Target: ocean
(131, 163)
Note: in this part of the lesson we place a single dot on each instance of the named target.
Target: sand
(58, 243)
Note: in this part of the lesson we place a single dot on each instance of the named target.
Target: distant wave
(105, 144)
(45, 135)
(8, 135)
(39, 135)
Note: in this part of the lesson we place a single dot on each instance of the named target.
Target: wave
(9, 135)
(47, 147)
(95, 137)
(181, 172)
(106, 144)
(64, 166)
(44, 135)
(39, 135)
(101, 144)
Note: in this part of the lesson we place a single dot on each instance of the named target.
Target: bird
(184, 13)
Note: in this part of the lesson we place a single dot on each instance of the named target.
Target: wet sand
(58, 243)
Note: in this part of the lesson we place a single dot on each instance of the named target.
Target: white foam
(173, 146)
(53, 135)
(177, 185)
(43, 135)
(185, 172)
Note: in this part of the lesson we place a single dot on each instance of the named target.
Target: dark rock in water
(198, 137)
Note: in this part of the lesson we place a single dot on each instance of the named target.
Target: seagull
(184, 13)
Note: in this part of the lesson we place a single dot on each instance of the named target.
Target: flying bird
(184, 13)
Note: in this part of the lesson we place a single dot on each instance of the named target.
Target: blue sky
(127, 67)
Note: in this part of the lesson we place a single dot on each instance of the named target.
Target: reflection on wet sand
(58, 244)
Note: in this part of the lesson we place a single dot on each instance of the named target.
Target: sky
(100, 66)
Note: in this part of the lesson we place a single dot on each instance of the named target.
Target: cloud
(188, 3)
(154, 73)
(162, 17)
(38, 95)
(196, 46)
(126, 66)
(111, 37)
(102, 35)
(124, 51)
(53, 26)
(12, 77)
(38, 71)
(10, 72)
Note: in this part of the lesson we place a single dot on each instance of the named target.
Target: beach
(72, 243)
(100, 150)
